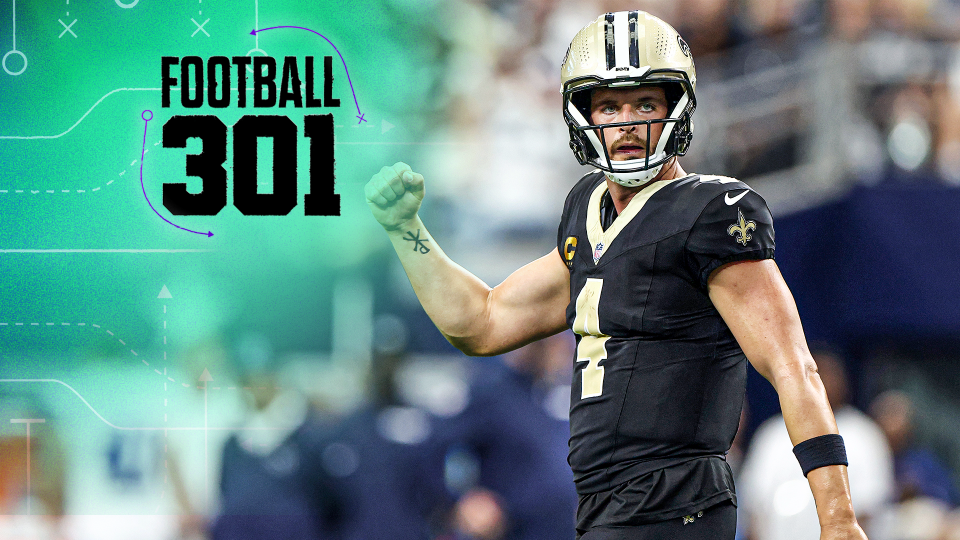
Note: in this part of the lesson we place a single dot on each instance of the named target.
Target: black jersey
(659, 379)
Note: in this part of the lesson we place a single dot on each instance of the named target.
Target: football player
(669, 282)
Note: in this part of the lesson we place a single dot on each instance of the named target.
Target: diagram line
(146, 122)
(85, 402)
(97, 326)
(28, 421)
(29, 479)
(405, 143)
(14, 24)
(106, 250)
(354, 92)
(77, 123)
(123, 428)
(105, 96)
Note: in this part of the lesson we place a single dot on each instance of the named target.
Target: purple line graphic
(359, 114)
(146, 121)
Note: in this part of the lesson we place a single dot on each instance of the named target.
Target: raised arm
(530, 304)
(754, 301)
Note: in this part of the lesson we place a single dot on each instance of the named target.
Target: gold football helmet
(621, 49)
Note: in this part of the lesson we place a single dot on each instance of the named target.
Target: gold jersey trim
(603, 238)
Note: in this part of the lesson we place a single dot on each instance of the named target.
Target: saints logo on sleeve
(735, 226)
(741, 229)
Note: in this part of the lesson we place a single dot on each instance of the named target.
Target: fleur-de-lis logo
(742, 228)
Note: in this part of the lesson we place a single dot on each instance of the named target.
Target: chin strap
(634, 179)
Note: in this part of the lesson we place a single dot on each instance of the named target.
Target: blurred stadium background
(844, 114)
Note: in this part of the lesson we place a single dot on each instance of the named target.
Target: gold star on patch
(742, 229)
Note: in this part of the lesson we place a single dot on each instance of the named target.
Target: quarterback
(667, 279)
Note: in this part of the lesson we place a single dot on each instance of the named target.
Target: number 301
(208, 166)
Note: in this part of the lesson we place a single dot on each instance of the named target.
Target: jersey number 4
(591, 348)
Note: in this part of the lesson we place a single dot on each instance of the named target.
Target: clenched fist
(394, 195)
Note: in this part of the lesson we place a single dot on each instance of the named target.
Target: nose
(627, 114)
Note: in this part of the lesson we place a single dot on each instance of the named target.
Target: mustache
(628, 140)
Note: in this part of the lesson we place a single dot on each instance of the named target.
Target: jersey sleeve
(562, 240)
(734, 226)
(563, 221)
(577, 192)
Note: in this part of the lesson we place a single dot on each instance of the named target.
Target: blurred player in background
(379, 454)
(506, 469)
(774, 494)
(667, 279)
(272, 480)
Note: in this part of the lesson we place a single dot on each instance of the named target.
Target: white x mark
(66, 28)
(199, 27)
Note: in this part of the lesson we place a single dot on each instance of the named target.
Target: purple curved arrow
(143, 151)
(359, 114)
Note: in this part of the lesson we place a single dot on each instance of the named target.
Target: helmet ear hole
(681, 137)
(582, 149)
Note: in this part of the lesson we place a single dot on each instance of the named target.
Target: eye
(608, 109)
(647, 106)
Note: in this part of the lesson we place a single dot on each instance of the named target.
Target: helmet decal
(634, 40)
(609, 41)
(684, 48)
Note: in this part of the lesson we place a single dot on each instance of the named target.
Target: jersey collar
(600, 239)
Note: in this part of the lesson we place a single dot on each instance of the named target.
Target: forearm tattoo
(418, 244)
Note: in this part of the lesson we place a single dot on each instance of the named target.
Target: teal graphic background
(273, 275)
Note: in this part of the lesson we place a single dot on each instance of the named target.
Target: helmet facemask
(589, 144)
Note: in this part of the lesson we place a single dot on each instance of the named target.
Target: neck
(622, 195)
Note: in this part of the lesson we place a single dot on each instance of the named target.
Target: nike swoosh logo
(733, 200)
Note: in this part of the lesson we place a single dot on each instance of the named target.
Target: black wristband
(820, 452)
